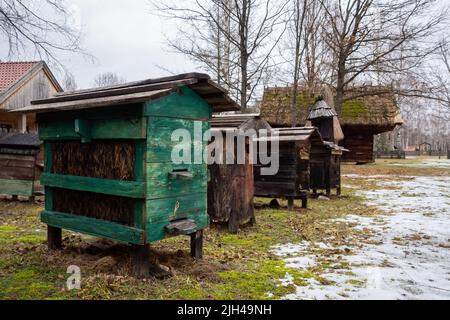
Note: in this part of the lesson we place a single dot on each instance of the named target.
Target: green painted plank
(160, 144)
(161, 185)
(94, 227)
(139, 160)
(126, 189)
(16, 187)
(156, 230)
(48, 157)
(110, 128)
(176, 207)
(184, 104)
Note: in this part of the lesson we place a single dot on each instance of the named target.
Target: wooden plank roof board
(293, 134)
(240, 122)
(138, 91)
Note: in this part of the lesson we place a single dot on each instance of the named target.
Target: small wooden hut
(20, 164)
(326, 159)
(231, 187)
(109, 170)
(20, 83)
(293, 178)
(372, 111)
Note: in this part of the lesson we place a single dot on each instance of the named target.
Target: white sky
(125, 38)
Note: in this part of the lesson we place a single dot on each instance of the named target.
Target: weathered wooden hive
(230, 189)
(325, 163)
(293, 178)
(20, 164)
(109, 170)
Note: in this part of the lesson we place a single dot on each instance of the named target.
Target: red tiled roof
(11, 72)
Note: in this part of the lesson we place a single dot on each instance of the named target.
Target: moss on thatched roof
(374, 108)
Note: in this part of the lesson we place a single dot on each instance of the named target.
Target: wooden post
(140, 260)
(338, 191)
(290, 203)
(54, 238)
(305, 202)
(233, 223)
(197, 245)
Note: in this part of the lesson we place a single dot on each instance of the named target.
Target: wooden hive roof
(294, 134)
(377, 107)
(321, 110)
(240, 121)
(136, 92)
(19, 140)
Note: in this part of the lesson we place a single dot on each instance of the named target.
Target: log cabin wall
(360, 142)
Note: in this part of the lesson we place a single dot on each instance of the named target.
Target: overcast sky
(125, 38)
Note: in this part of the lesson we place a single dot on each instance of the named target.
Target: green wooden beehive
(108, 160)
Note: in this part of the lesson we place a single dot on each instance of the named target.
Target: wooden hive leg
(290, 203)
(54, 238)
(233, 223)
(338, 191)
(197, 245)
(305, 202)
(15, 198)
(140, 260)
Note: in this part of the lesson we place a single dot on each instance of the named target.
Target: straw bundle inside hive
(94, 205)
(113, 160)
(98, 159)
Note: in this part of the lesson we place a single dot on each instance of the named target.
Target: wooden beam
(94, 227)
(127, 189)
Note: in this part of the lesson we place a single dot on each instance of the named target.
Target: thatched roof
(377, 110)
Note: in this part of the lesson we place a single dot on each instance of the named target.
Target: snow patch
(412, 260)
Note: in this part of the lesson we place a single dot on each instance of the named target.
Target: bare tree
(296, 29)
(43, 27)
(69, 82)
(108, 79)
(305, 54)
(383, 38)
(442, 77)
(232, 39)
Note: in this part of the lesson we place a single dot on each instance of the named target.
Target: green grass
(235, 267)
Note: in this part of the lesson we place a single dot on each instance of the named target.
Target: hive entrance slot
(181, 174)
(182, 227)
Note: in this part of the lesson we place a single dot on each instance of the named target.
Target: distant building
(361, 118)
(20, 83)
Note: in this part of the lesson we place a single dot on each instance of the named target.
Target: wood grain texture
(185, 104)
(94, 227)
(126, 189)
(16, 187)
(126, 128)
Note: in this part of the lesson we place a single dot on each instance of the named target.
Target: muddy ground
(387, 237)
